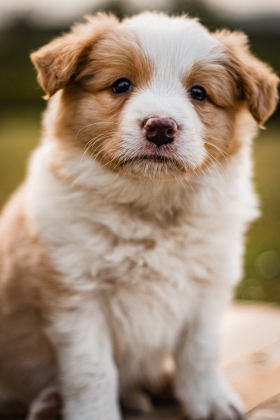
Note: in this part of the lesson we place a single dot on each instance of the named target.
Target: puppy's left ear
(57, 61)
(256, 80)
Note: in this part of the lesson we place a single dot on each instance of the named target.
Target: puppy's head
(153, 96)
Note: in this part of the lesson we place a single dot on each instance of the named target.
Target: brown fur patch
(233, 83)
(57, 61)
(89, 114)
(256, 79)
(216, 80)
(218, 111)
(117, 55)
(89, 111)
(29, 291)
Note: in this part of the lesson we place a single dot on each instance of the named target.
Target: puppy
(126, 239)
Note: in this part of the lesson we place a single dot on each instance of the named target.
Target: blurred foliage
(262, 258)
(19, 134)
(18, 86)
(21, 104)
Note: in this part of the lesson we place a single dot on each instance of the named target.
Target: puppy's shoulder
(25, 267)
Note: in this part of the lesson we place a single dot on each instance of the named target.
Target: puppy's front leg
(199, 383)
(87, 372)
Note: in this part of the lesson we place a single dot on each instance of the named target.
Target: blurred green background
(21, 105)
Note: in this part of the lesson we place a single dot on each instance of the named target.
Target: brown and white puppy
(126, 238)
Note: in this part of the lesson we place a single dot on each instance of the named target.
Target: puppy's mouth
(151, 158)
(153, 166)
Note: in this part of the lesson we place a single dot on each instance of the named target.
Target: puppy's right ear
(57, 61)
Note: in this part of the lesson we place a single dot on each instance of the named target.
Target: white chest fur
(144, 267)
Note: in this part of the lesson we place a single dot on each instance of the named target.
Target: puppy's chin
(153, 167)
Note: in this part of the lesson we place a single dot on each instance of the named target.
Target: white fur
(153, 295)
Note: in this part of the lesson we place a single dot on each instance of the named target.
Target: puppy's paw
(137, 400)
(217, 402)
(46, 406)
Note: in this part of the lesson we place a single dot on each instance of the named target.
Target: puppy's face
(153, 96)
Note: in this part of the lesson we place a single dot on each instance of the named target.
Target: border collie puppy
(126, 239)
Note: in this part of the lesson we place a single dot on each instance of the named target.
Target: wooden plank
(251, 352)
(270, 410)
(248, 327)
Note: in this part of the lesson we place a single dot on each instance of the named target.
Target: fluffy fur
(115, 252)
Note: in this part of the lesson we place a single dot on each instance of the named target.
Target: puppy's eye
(122, 86)
(198, 93)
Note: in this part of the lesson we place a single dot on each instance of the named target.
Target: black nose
(160, 130)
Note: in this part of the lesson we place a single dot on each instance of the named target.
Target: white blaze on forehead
(171, 44)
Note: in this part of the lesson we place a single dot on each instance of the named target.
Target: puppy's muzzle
(160, 130)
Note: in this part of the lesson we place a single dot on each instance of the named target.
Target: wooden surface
(251, 352)
(250, 359)
(269, 410)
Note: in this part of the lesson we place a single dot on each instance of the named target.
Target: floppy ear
(256, 80)
(57, 61)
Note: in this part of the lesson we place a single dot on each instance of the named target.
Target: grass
(19, 134)
(262, 258)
